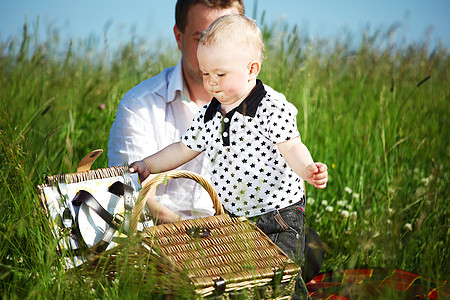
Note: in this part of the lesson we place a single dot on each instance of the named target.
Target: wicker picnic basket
(114, 196)
(206, 256)
(217, 254)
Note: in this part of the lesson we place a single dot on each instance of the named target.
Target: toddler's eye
(205, 74)
(220, 75)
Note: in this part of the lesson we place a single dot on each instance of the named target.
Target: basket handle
(163, 177)
(86, 163)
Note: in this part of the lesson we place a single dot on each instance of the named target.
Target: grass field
(376, 113)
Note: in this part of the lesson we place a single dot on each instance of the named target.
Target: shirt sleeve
(132, 135)
(194, 137)
(282, 121)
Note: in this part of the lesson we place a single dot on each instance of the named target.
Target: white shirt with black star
(248, 172)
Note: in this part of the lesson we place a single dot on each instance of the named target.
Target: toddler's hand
(317, 175)
(141, 168)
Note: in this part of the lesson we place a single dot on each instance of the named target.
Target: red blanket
(360, 283)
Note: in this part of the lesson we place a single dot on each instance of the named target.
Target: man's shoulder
(157, 84)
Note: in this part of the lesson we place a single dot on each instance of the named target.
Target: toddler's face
(226, 73)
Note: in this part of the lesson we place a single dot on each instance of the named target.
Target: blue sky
(154, 19)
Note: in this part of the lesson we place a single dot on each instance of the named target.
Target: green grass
(376, 113)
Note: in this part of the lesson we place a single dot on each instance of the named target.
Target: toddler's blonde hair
(238, 30)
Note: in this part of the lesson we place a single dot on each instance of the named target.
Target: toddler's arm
(167, 159)
(299, 159)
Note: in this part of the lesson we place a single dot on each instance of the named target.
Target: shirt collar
(248, 107)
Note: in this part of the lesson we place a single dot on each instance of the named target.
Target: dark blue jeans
(286, 228)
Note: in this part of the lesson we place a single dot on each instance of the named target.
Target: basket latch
(220, 285)
(198, 232)
(117, 220)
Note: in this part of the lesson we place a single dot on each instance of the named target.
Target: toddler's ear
(254, 68)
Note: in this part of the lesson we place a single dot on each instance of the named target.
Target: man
(155, 113)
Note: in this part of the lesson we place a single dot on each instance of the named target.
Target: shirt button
(226, 120)
(225, 134)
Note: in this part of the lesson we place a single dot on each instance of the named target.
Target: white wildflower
(408, 226)
(353, 216)
(348, 190)
(311, 201)
(345, 213)
(341, 202)
(426, 180)
(391, 211)
(356, 195)
(329, 208)
(324, 202)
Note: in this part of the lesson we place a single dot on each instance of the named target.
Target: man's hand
(141, 168)
(317, 175)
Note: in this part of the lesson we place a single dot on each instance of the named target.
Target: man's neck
(197, 93)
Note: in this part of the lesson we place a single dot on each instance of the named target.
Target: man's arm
(132, 136)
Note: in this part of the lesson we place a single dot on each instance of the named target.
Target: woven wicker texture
(87, 175)
(214, 248)
(162, 178)
(232, 249)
